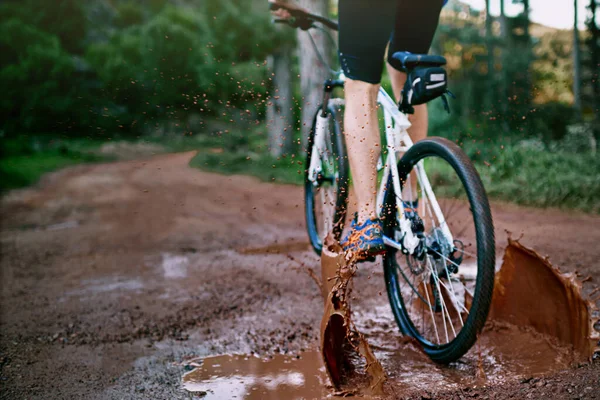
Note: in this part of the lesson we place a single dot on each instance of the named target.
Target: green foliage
(531, 176)
(249, 35)
(264, 167)
(25, 159)
(64, 19)
(129, 14)
(36, 75)
(147, 69)
(143, 63)
(528, 72)
(550, 121)
(544, 179)
(183, 59)
(553, 67)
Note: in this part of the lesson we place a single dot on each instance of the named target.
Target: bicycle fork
(321, 130)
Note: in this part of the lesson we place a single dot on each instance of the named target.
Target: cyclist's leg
(415, 25)
(365, 28)
(362, 141)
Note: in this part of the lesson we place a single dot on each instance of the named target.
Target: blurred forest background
(83, 79)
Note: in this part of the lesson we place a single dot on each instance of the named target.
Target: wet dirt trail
(117, 279)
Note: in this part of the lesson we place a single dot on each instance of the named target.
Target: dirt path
(114, 275)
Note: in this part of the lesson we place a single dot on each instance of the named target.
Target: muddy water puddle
(249, 377)
(503, 353)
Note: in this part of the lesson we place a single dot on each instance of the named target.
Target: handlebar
(300, 18)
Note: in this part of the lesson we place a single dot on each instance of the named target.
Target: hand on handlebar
(280, 5)
(285, 10)
(297, 17)
(281, 13)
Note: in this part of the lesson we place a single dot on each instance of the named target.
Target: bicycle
(439, 273)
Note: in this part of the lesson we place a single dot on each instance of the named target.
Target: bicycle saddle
(404, 60)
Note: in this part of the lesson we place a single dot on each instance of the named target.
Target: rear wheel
(441, 294)
(325, 196)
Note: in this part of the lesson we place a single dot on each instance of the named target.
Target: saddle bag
(422, 85)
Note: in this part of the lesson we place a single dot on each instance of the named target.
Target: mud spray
(539, 323)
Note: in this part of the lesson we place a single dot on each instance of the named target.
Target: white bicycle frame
(397, 141)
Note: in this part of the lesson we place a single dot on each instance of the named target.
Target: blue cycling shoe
(365, 241)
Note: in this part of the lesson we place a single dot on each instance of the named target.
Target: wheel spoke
(414, 290)
(441, 297)
(431, 311)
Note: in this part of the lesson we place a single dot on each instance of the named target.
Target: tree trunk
(489, 98)
(504, 76)
(312, 72)
(280, 113)
(528, 77)
(502, 20)
(594, 50)
(526, 12)
(576, 65)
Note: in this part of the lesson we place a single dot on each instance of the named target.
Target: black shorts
(366, 27)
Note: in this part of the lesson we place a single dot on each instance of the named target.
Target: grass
(25, 159)
(533, 177)
(22, 171)
(264, 167)
(544, 179)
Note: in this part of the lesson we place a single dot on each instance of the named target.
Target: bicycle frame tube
(397, 141)
(321, 126)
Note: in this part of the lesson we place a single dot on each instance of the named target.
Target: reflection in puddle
(174, 266)
(108, 284)
(249, 377)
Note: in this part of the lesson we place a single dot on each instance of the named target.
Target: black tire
(483, 233)
(336, 145)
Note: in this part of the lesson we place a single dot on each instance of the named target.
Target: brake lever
(295, 22)
(292, 22)
(304, 23)
(300, 18)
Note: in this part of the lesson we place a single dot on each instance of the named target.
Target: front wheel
(325, 192)
(441, 294)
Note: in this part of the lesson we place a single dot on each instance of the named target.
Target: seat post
(328, 87)
(404, 105)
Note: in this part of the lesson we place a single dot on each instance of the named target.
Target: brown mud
(116, 279)
(338, 334)
(531, 293)
(539, 324)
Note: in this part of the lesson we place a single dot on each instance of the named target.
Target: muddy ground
(115, 276)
